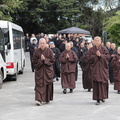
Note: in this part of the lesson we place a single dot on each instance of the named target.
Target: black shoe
(64, 91)
(103, 100)
(71, 90)
(89, 90)
(38, 103)
(118, 91)
(98, 102)
(47, 102)
(33, 70)
(57, 79)
(112, 83)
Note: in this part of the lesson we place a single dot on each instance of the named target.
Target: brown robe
(68, 69)
(116, 71)
(43, 74)
(86, 72)
(99, 72)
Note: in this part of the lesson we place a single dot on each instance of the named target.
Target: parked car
(87, 37)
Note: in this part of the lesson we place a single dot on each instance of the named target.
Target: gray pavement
(17, 102)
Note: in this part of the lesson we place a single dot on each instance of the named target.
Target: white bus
(2, 59)
(13, 48)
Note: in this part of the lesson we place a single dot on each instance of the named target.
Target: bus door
(6, 42)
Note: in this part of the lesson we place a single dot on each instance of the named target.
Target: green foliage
(7, 7)
(46, 15)
(112, 26)
(49, 16)
(92, 20)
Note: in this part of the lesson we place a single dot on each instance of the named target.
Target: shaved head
(97, 41)
(108, 44)
(97, 37)
(113, 46)
(67, 46)
(42, 39)
(42, 43)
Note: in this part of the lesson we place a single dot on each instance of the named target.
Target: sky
(111, 4)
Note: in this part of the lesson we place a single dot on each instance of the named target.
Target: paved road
(17, 102)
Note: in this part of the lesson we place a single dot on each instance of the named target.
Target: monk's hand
(54, 54)
(112, 55)
(98, 53)
(67, 56)
(119, 60)
(42, 57)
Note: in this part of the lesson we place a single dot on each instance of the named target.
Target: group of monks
(96, 63)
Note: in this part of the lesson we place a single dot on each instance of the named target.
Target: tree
(112, 26)
(7, 7)
(92, 20)
(49, 16)
(109, 4)
(45, 15)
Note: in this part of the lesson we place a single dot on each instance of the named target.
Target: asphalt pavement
(17, 101)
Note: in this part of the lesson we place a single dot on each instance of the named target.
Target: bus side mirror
(8, 46)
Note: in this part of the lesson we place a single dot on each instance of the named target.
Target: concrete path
(17, 102)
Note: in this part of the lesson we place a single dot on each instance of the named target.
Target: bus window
(6, 35)
(16, 39)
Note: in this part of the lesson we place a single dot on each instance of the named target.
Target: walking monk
(98, 59)
(43, 60)
(116, 70)
(86, 70)
(68, 59)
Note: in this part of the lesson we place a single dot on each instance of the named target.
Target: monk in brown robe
(68, 59)
(98, 58)
(116, 70)
(43, 60)
(86, 70)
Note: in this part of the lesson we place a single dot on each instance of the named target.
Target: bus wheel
(14, 77)
(1, 79)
